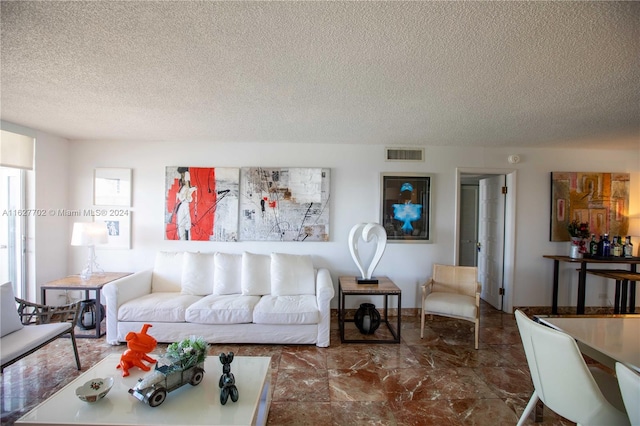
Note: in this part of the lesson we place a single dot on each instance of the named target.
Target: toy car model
(183, 364)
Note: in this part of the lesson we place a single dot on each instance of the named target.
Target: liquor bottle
(628, 247)
(606, 246)
(621, 242)
(593, 245)
(600, 251)
(616, 248)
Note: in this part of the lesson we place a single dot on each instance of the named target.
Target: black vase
(88, 315)
(367, 318)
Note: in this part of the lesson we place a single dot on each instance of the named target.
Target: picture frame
(405, 207)
(201, 203)
(118, 229)
(112, 187)
(285, 204)
(601, 200)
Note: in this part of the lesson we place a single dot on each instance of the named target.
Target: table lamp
(89, 234)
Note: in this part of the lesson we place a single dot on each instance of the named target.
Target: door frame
(509, 227)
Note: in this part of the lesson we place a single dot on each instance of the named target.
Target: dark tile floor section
(438, 380)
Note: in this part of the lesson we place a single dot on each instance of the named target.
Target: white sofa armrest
(324, 294)
(120, 291)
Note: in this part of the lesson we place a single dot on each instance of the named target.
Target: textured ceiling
(512, 74)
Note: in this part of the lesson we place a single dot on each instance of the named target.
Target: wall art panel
(284, 204)
(405, 210)
(201, 203)
(599, 199)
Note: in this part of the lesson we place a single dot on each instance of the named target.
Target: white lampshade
(89, 233)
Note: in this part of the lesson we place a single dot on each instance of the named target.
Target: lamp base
(92, 268)
(87, 273)
(367, 280)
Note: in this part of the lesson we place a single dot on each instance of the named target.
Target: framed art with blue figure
(406, 207)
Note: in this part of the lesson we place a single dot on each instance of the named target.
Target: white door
(491, 239)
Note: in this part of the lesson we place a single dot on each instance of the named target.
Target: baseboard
(529, 310)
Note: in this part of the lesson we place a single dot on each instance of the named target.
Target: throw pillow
(167, 272)
(226, 278)
(292, 275)
(197, 273)
(256, 274)
(9, 318)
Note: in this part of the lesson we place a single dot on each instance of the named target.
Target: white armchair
(452, 291)
(30, 326)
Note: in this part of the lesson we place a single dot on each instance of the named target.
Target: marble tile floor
(438, 380)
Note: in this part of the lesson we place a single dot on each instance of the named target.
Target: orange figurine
(139, 345)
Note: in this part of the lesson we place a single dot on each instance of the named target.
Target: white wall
(47, 186)
(51, 244)
(355, 194)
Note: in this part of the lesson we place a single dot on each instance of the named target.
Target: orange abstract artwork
(599, 199)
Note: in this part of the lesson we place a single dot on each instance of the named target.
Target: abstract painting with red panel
(599, 199)
(201, 203)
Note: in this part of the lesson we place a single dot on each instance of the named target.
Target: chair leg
(477, 333)
(528, 409)
(75, 349)
(422, 321)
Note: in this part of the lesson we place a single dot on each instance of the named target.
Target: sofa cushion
(28, 338)
(292, 275)
(9, 318)
(451, 304)
(226, 278)
(197, 273)
(160, 307)
(301, 309)
(167, 272)
(222, 309)
(256, 274)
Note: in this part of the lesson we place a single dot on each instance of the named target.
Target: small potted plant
(579, 233)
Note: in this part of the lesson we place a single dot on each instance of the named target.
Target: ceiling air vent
(405, 154)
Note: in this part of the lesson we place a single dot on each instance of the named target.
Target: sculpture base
(367, 280)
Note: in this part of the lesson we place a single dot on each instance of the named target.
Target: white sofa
(225, 298)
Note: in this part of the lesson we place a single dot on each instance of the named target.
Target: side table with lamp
(92, 277)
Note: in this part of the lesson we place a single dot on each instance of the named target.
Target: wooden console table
(582, 277)
(348, 286)
(74, 282)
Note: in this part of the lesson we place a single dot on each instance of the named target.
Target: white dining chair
(629, 382)
(562, 380)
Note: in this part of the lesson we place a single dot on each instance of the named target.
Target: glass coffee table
(192, 405)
